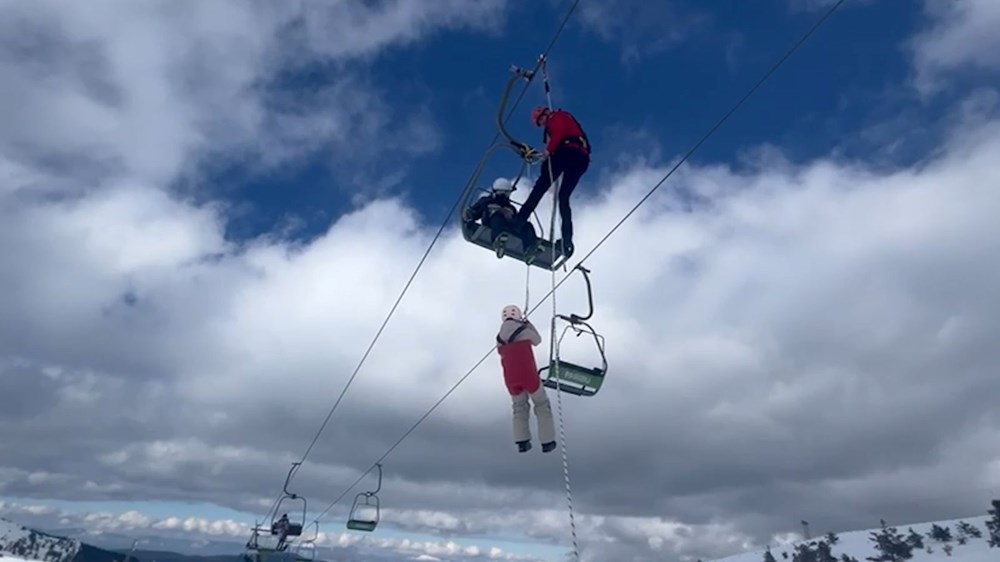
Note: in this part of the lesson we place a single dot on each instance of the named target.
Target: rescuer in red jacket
(567, 150)
(520, 375)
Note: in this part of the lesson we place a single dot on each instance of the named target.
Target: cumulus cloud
(866, 292)
(641, 28)
(154, 90)
(961, 35)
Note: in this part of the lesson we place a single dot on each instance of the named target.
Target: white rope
(555, 184)
(527, 266)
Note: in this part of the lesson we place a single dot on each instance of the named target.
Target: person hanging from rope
(497, 212)
(520, 374)
(567, 153)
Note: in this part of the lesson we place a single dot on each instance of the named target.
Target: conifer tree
(915, 539)
(993, 525)
(968, 531)
(891, 546)
(804, 553)
(939, 533)
(824, 552)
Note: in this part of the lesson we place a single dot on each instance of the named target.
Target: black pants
(569, 162)
(524, 231)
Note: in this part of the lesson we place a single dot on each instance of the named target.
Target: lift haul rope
(686, 156)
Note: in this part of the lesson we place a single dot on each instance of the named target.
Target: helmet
(512, 312)
(502, 185)
(536, 114)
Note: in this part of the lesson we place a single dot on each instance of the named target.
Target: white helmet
(502, 185)
(512, 312)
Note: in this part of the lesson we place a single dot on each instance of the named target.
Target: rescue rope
(527, 266)
(555, 184)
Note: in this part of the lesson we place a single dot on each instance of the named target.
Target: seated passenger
(497, 212)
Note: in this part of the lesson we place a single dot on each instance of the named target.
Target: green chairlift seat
(366, 501)
(573, 378)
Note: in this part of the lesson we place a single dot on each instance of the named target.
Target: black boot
(565, 247)
(524, 446)
(548, 447)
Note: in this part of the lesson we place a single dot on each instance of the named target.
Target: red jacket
(520, 372)
(561, 127)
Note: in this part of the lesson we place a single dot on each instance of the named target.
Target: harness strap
(513, 335)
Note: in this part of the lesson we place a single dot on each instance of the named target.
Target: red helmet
(537, 113)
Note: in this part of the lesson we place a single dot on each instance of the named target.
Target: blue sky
(854, 180)
(844, 79)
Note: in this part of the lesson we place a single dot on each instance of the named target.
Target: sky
(207, 211)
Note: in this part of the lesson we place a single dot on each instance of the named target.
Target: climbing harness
(574, 378)
(366, 501)
(544, 254)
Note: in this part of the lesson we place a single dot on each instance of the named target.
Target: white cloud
(826, 283)
(149, 91)
(797, 335)
(642, 28)
(962, 35)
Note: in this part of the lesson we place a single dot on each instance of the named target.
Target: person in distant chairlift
(497, 213)
(520, 374)
(281, 527)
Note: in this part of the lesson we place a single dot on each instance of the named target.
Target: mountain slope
(860, 546)
(22, 542)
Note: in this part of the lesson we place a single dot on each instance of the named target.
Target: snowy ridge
(19, 542)
(859, 546)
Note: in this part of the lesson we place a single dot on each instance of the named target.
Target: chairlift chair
(294, 529)
(366, 501)
(574, 378)
(305, 550)
(481, 234)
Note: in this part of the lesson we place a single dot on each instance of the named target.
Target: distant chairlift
(570, 377)
(305, 550)
(365, 511)
(294, 529)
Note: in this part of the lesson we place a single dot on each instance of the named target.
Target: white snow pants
(543, 416)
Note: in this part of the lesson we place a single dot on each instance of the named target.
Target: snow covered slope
(859, 545)
(20, 542)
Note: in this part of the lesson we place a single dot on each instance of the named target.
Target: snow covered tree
(968, 531)
(832, 538)
(846, 558)
(947, 549)
(824, 553)
(768, 557)
(804, 553)
(939, 533)
(993, 525)
(891, 546)
(915, 539)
